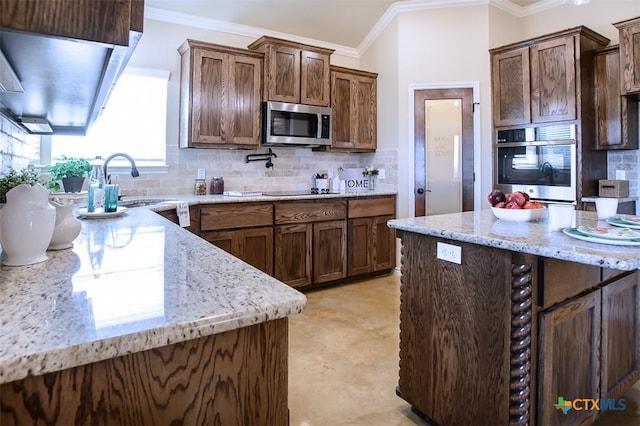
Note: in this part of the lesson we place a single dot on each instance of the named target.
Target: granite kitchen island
(527, 318)
(142, 322)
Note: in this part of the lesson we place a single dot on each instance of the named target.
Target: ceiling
(341, 22)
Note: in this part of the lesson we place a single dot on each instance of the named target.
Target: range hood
(66, 81)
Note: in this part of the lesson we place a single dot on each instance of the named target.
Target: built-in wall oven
(538, 160)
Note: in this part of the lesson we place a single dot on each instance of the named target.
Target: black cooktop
(294, 193)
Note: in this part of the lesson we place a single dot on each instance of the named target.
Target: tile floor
(343, 360)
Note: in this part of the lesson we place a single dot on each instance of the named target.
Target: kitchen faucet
(134, 169)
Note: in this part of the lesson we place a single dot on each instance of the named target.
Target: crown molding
(376, 30)
(239, 29)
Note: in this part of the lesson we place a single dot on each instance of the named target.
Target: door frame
(475, 86)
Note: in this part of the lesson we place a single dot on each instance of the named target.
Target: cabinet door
(384, 244)
(208, 98)
(354, 104)
(511, 87)
(553, 80)
(243, 124)
(226, 240)
(569, 359)
(314, 78)
(329, 251)
(282, 82)
(256, 248)
(616, 115)
(360, 249)
(293, 254)
(630, 56)
(620, 335)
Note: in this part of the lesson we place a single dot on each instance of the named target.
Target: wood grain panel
(309, 211)
(238, 215)
(256, 248)
(314, 78)
(384, 244)
(284, 74)
(329, 251)
(237, 377)
(360, 249)
(557, 286)
(620, 335)
(455, 332)
(629, 32)
(245, 86)
(372, 207)
(511, 87)
(553, 80)
(292, 254)
(341, 102)
(209, 102)
(106, 21)
(569, 358)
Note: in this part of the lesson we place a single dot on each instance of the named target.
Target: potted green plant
(71, 172)
(13, 178)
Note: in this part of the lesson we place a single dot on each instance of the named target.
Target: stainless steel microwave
(285, 124)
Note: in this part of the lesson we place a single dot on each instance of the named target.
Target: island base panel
(455, 332)
(236, 377)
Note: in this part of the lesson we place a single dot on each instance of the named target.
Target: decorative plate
(574, 233)
(83, 214)
(609, 232)
(624, 221)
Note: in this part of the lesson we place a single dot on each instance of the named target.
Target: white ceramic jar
(67, 227)
(26, 225)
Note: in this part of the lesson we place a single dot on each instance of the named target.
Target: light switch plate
(620, 175)
(381, 174)
(200, 174)
(449, 252)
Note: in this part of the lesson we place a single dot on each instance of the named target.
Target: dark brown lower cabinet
(293, 254)
(252, 245)
(569, 358)
(513, 335)
(329, 251)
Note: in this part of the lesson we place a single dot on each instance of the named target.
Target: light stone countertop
(129, 283)
(481, 227)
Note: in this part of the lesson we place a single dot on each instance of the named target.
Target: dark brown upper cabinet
(546, 79)
(354, 109)
(616, 115)
(219, 96)
(294, 72)
(629, 56)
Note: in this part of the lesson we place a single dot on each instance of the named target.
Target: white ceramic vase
(67, 227)
(26, 225)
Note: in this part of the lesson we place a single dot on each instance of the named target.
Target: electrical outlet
(449, 252)
(381, 174)
(620, 175)
(200, 173)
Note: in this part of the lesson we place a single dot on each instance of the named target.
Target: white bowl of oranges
(515, 206)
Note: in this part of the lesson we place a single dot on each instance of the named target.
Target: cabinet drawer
(372, 207)
(310, 211)
(563, 280)
(230, 216)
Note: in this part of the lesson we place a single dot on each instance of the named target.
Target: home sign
(354, 181)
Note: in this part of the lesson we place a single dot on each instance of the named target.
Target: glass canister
(200, 187)
(217, 185)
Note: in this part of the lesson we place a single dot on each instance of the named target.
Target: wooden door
(569, 359)
(293, 254)
(329, 251)
(282, 82)
(384, 244)
(256, 248)
(314, 78)
(452, 140)
(354, 109)
(620, 335)
(209, 97)
(243, 124)
(360, 246)
(511, 87)
(629, 56)
(553, 80)
(616, 115)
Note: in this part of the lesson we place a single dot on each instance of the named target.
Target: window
(133, 122)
